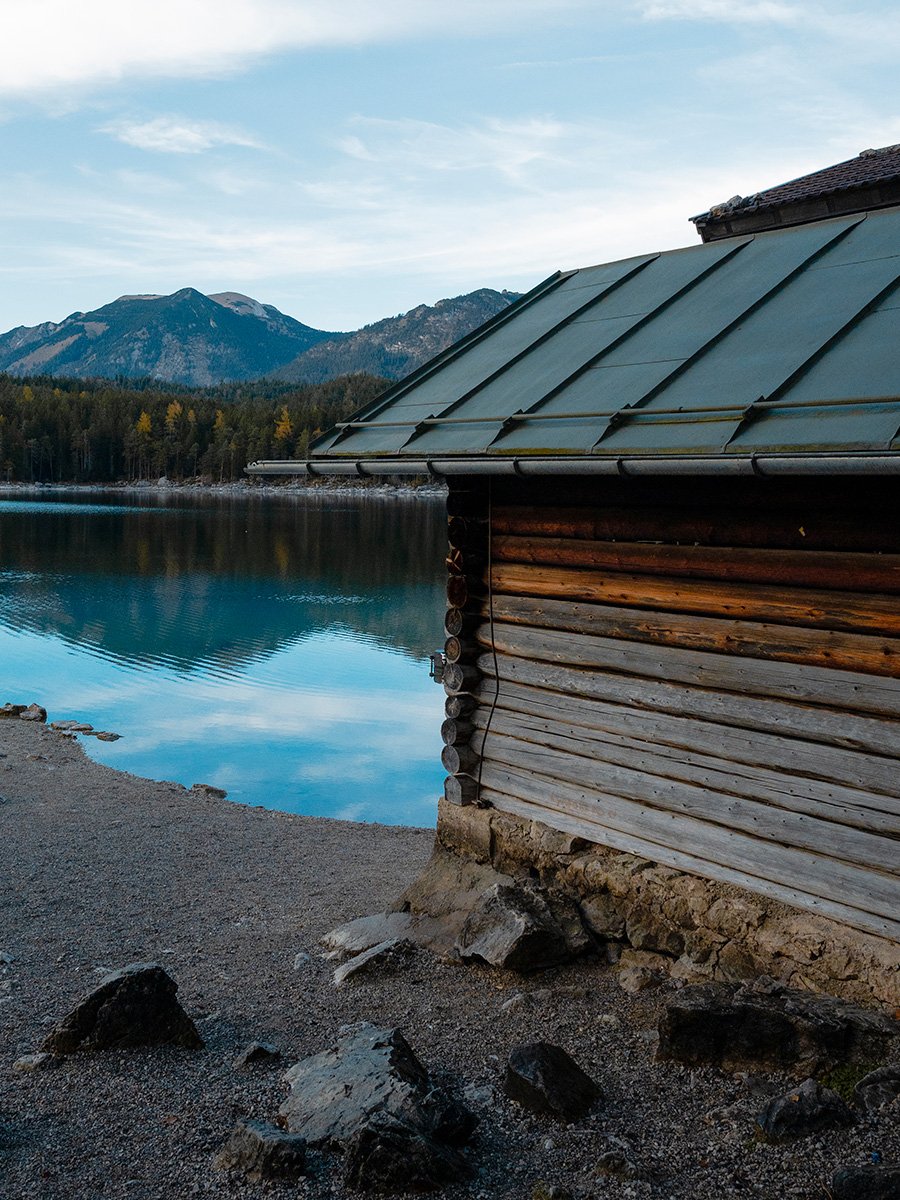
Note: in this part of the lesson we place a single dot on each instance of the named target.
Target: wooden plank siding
(705, 673)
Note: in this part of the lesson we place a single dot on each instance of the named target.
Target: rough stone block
(768, 1026)
(545, 1079)
(263, 1151)
(808, 1110)
(388, 1156)
(514, 927)
(135, 1006)
(368, 1070)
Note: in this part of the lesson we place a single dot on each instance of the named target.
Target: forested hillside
(59, 430)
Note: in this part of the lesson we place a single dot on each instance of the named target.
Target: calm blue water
(274, 647)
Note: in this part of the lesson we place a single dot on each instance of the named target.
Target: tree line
(102, 431)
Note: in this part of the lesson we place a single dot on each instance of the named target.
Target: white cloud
(738, 12)
(177, 135)
(506, 146)
(55, 44)
(851, 31)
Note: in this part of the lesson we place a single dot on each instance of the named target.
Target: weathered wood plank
(807, 830)
(871, 891)
(463, 590)
(460, 760)
(811, 723)
(467, 533)
(833, 570)
(874, 779)
(460, 705)
(461, 677)
(459, 623)
(465, 562)
(461, 789)
(583, 825)
(803, 684)
(801, 794)
(876, 655)
(813, 609)
(800, 527)
(456, 731)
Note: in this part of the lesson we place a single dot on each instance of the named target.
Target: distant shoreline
(296, 487)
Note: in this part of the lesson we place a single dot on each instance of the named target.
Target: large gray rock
(769, 1027)
(875, 1181)
(368, 1070)
(808, 1109)
(34, 712)
(879, 1088)
(262, 1151)
(390, 1156)
(513, 926)
(135, 1006)
(545, 1079)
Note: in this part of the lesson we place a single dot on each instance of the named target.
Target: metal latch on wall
(438, 662)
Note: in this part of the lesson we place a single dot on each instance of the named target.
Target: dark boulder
(875, 1181)
(808, 1109)
(878, 1089)
(769, 1027)
(263, 1151)
(545, 1079)
(135, 1006)
(388, 1156)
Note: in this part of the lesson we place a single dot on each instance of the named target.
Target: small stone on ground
(255, 1055)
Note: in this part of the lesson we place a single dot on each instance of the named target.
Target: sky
(346, 160)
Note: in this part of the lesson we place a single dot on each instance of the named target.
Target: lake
(273, 646)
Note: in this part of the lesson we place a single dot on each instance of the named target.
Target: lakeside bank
(100, 869)
(296, 486)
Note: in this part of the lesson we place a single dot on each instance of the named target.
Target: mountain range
(199, 340)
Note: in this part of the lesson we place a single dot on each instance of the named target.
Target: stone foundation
(702, 929)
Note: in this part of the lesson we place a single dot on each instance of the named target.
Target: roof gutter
(864, 463)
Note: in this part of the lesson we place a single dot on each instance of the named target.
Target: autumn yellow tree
(284, 427)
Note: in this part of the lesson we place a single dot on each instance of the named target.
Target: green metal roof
(781, 344)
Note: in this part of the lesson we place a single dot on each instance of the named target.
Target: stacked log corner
(467, 537)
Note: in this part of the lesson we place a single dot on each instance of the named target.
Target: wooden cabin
(673, 625)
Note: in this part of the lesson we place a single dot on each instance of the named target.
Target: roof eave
(857, 463)
(760, 217)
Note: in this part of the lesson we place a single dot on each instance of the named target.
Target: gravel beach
(99, 869)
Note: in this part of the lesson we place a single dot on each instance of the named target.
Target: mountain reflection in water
(276, 647)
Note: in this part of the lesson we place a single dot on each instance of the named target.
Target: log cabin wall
(705, 673)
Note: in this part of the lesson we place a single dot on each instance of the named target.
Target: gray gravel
(99, 869)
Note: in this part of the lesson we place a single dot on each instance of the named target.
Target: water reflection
(274, 647)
